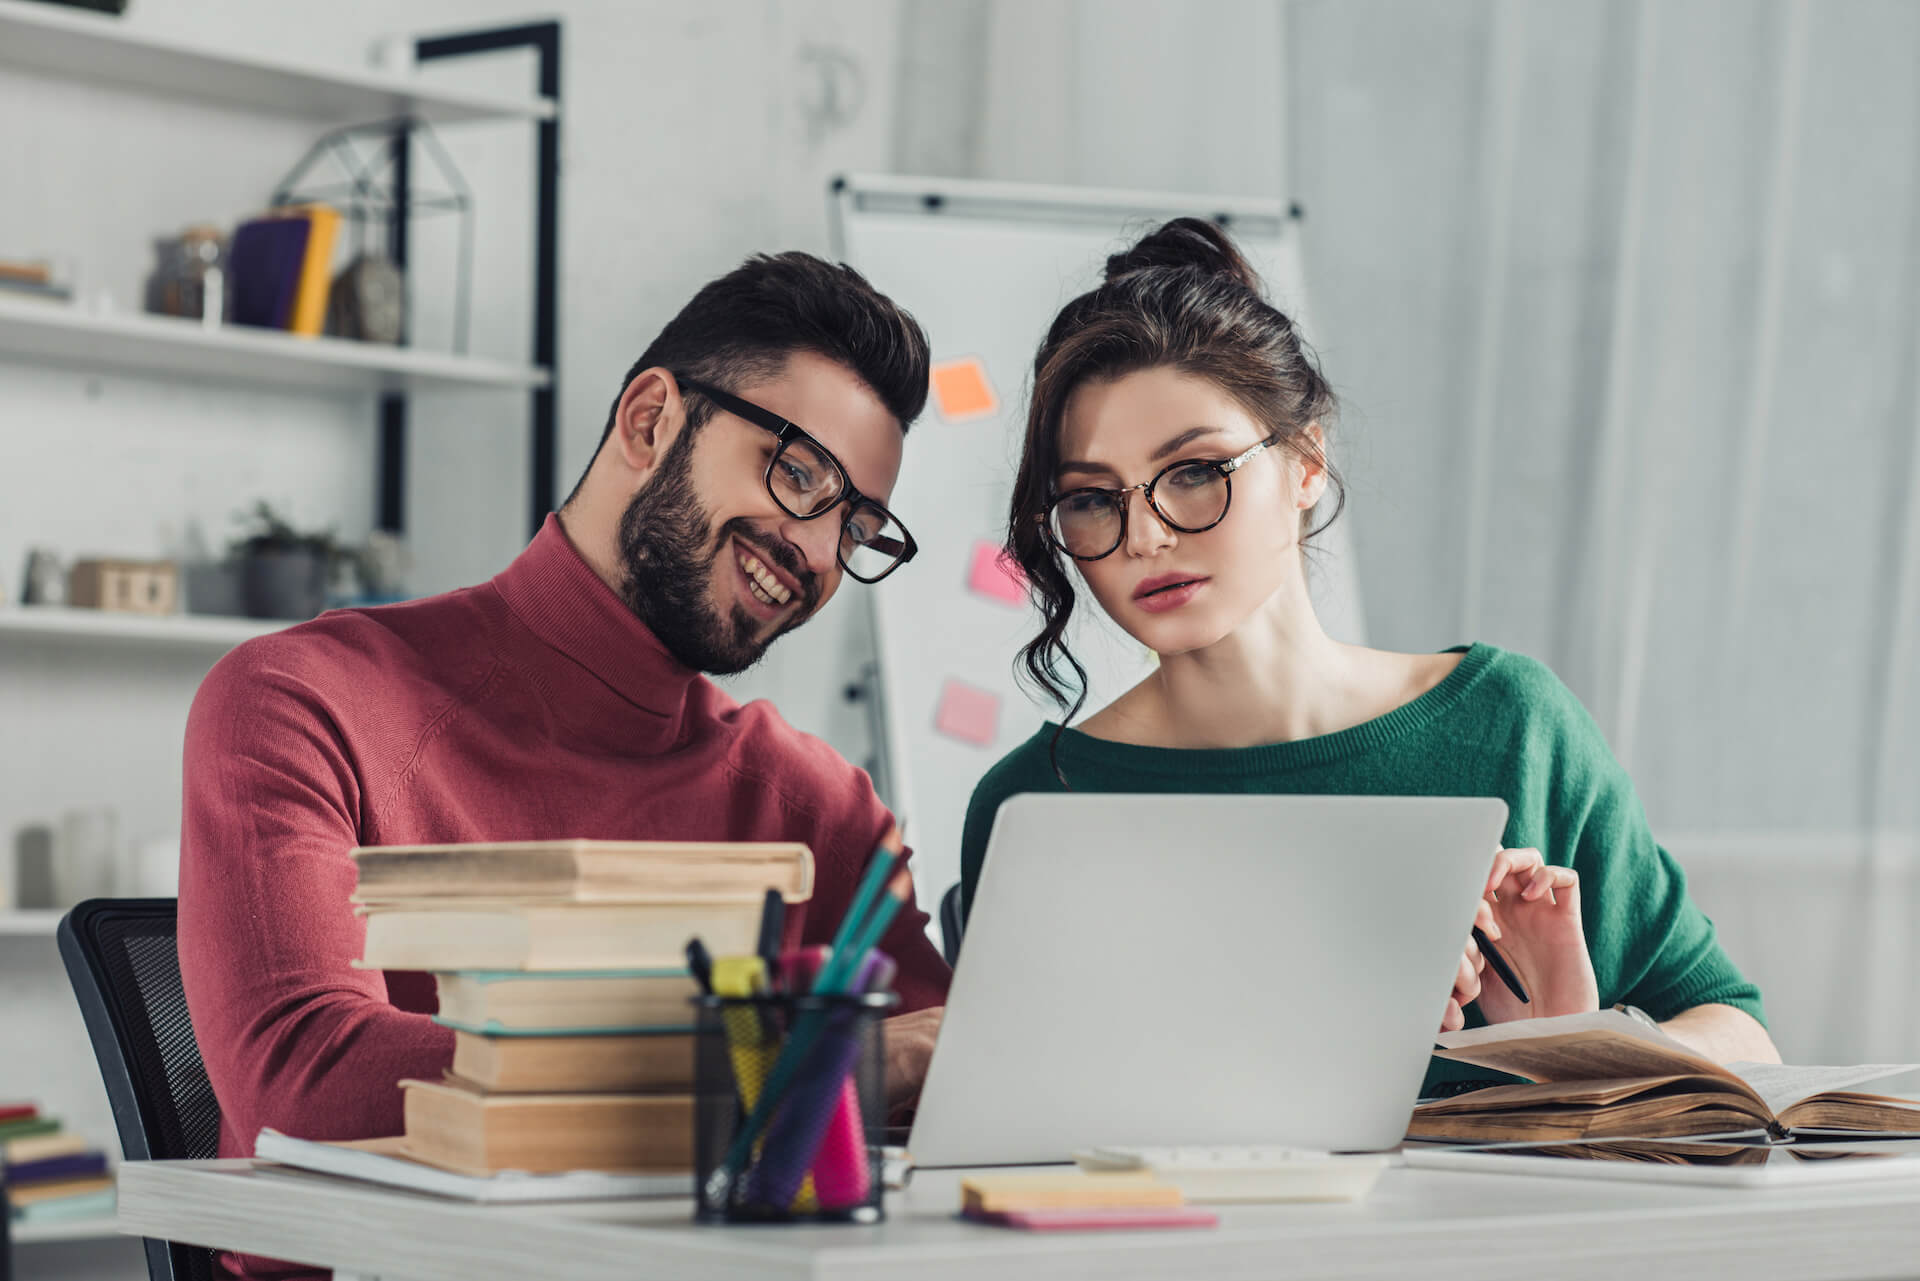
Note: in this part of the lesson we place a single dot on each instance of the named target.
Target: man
(744, 471)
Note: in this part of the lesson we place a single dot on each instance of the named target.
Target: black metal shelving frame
(543, 444)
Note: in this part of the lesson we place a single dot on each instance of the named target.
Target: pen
(700, 965)
(1499, 964)
(773, 926)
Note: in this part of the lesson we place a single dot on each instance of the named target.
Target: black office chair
(125, 969)
(951, 924)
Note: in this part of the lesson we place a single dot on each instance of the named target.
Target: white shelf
(86, 46)
(71, 1230)
(176, 348)
(194, 631)
(29, 922)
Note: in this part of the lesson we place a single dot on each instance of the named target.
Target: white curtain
(1623, 298)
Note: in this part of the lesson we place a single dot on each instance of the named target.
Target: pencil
(1499, 964)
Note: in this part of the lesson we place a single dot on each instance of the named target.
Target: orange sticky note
(962, 391)
(994, 576)
(968, 713)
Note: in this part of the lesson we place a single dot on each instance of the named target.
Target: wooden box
(135, 586)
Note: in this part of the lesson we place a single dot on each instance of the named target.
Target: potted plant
(283, 572)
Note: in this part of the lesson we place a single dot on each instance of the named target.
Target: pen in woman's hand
(1499, 964)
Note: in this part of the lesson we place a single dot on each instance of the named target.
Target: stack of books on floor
(562, 969)
(50, 1175)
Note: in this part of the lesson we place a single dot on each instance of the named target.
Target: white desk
(1423, 1223)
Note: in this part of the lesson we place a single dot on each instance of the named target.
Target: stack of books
(50, 1175)
(562, 969)
(20, 278)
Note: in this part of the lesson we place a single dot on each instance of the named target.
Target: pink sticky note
(968, 713)
(1176, 1216)
(994, 576)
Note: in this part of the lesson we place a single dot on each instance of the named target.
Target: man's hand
(910, 1039)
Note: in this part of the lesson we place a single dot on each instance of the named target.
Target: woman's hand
(1532, 914)
(1536, 925)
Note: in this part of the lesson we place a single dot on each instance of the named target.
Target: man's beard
(668, 551)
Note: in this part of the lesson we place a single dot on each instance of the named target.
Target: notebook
(383, 1161)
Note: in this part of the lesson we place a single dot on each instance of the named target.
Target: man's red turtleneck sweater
(533, 706)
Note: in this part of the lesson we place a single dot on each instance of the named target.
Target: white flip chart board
(984, 267)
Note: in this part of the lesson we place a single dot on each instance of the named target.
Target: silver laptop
(1161, 970)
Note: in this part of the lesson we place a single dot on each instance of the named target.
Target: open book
(1602, 1077)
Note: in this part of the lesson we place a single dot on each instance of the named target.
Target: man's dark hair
(743, 327)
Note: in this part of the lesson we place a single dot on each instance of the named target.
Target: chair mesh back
(125, 967)
(951, 924)
(180, 1114)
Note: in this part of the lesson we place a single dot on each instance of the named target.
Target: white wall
(698, 133)
(1619, 300)
(693, 136)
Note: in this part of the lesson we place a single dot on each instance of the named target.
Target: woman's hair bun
(1191, 243)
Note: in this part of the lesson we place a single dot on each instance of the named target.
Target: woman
(1175, 453)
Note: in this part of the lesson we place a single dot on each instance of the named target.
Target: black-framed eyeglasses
(1191, 496)
(808, 482)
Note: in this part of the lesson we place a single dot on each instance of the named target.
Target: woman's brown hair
(1183, 298)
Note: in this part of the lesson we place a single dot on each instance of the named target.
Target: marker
(751, 1045)
(700, 963)
(799, 967)
(773, 926)
(840, 968)
(796, 1139)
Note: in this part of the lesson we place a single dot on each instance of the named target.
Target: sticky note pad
(992, 575)
(1086, 1220)
(968, 713)
(999, 1193)
(962, 391)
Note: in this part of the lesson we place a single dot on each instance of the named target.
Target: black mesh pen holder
(790, 1107)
